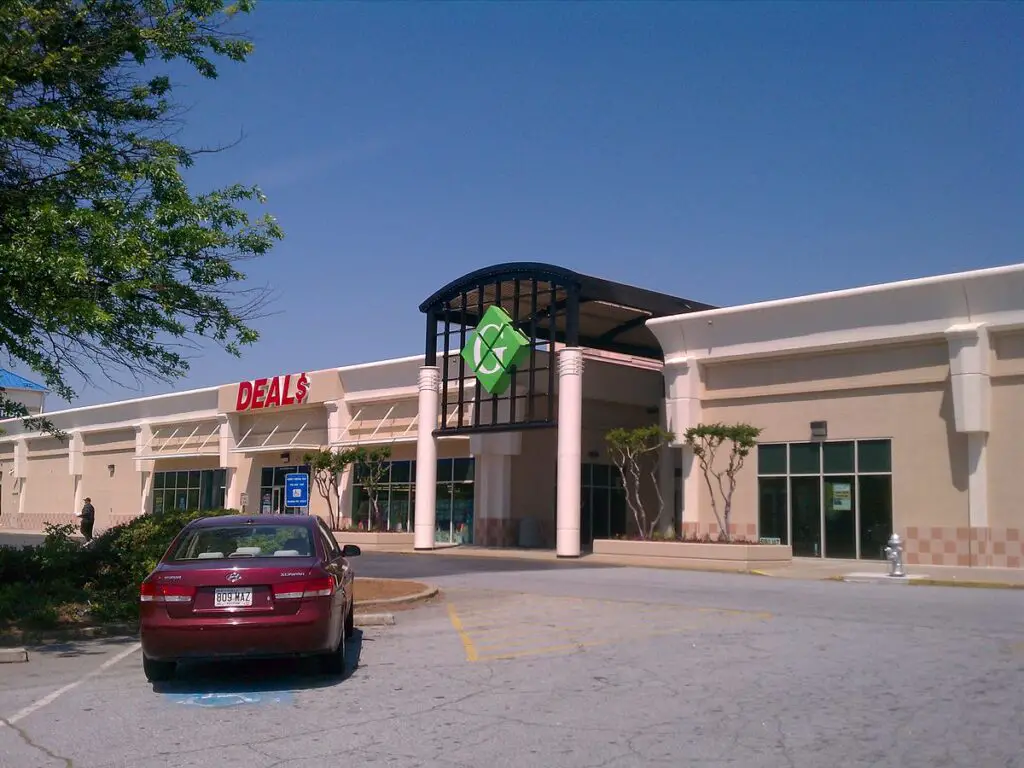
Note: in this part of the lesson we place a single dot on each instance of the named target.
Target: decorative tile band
(977, 547)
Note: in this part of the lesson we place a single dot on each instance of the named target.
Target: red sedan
(245, 586)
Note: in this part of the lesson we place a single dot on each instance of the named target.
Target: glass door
(805, 495)
(277, 499)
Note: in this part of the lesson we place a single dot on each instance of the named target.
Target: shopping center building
(889, 408)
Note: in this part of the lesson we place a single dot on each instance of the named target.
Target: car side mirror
(351, 550)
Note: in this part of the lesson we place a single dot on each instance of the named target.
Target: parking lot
(568, 666)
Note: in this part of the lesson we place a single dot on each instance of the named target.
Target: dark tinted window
(244, 541)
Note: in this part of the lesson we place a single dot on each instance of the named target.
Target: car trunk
(235, 587)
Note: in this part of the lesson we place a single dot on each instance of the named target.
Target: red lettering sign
(271, 393)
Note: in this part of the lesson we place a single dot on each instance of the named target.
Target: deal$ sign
(494, 349)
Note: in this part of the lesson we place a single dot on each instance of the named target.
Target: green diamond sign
(493, 349)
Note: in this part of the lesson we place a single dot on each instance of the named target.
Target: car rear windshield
(237, 541)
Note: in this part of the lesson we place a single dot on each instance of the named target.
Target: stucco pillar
(682, 411)
(20, 475)
(227, 441)
(493, 525)
(969, 361)
(76, 466)
(346, 487)
(426, 457)
(570, 450)
(667, 479)
(143, 444)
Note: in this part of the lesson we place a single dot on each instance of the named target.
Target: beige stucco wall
(899, 392)
(49, 488)
(1006, 439)
(116, 497)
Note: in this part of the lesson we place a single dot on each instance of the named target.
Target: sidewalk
(813, 568)
(807, 569)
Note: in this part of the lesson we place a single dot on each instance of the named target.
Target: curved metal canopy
(610, 316)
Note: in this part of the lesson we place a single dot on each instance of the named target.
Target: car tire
(350, 620)
(158, 671)
(333, 663)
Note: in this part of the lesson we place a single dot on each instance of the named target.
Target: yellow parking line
(467, 642)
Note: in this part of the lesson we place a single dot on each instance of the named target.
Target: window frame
(823, 477)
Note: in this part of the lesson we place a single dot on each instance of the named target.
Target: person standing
(88, 515)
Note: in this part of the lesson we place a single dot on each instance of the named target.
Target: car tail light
(151, 592)
(304, 590)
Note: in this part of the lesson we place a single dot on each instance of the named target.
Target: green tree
(372, 465)
(107, 259)
(325, 466)
(706, 441)
(635, 453)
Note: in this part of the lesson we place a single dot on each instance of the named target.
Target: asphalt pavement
(568, 666)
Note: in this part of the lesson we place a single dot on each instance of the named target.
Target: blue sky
(723, 152)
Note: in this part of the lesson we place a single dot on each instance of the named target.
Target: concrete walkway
(803, 568)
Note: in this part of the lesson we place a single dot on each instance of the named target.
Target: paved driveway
(572, 667)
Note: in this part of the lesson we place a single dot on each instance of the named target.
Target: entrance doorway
(272, 490)
(602, 503)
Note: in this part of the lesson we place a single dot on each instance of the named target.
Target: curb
(926, 582)
(375, 620)
(425, 594)
(58, 636)
(13, 655)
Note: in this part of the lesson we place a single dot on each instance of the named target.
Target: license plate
(235, 597)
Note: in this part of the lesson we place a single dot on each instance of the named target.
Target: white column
(682, 411)
(426, 457)
(570, 450)
(969, 360)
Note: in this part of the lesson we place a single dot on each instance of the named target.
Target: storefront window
(397, 499)
(829, 499)
(201, 489)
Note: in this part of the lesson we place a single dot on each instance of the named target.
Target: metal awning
(384, 423)
(259, 443)
(178, 442)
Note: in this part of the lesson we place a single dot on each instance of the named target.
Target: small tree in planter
(373, 464)
(706, 441)
(635, 452)
(326, 465)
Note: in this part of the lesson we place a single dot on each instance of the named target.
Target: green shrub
(38, 581)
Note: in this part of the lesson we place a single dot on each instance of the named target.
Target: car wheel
(158, 671)
(333, 663)
(350, 620)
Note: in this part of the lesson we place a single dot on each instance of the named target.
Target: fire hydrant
(894, 554)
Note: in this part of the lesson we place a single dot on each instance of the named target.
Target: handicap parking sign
(296, 489)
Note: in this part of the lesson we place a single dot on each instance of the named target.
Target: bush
(40, 584)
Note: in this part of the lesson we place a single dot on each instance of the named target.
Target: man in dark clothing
(88, 516)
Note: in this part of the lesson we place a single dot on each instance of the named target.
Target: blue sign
(296, 489)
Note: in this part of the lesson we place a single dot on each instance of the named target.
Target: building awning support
(184, 449)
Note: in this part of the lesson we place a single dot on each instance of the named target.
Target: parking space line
(52, 697)
(467, 642)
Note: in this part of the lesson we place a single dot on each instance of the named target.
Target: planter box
(725, 557)
(372, 541)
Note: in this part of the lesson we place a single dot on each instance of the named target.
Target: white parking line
(51, 697)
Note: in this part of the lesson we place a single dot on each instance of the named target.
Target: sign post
(296, 490)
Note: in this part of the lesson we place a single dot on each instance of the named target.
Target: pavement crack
(28, 740)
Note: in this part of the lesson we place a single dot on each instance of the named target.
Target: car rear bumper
(167, 639)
